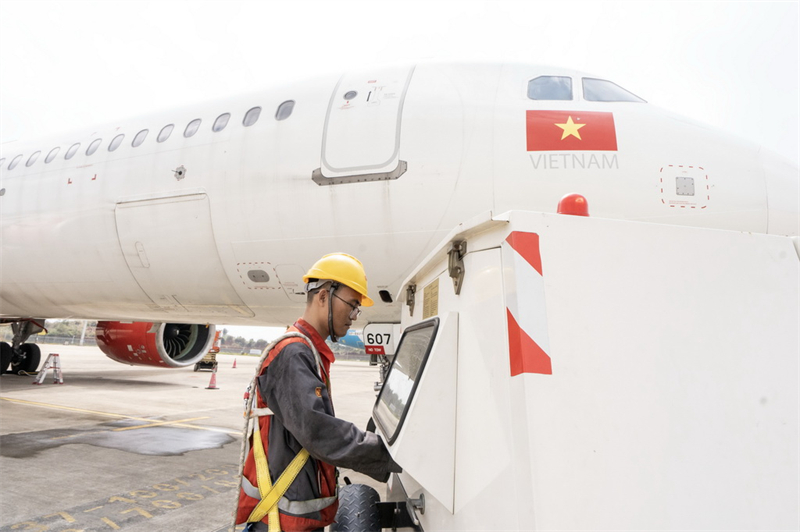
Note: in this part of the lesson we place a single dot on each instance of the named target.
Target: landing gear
(30, 362)
(21, 356)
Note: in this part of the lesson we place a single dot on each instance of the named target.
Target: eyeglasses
(355, 313)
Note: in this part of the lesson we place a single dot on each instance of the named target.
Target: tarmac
(136, 448)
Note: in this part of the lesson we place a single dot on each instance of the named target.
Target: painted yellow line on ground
(60, 407)
(118, 416)
(158, 423)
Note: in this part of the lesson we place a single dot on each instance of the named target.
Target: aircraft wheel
(358, 510)
(33, 355)
(5, 356)
(33, 358)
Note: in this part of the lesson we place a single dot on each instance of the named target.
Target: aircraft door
(169, 246)
(361, 137)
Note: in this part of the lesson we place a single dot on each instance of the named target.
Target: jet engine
(169, 345)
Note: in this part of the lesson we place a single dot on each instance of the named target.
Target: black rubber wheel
(358, 510)
(33, 356)
(5, 356)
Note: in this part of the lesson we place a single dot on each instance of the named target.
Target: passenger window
(52, 155)
(14, 162)
(550, 88)
(600, 90)
(401, 382)
(139, 138)
(116, 141)
(93, 146)
(192, 128)
(165, 132)
(284, 110)
(251, 117)
(221, 122)
(32, 158)
(71, 151)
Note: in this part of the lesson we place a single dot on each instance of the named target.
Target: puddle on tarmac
(164, 440)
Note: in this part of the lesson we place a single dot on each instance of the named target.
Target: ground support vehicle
(571, 373)
(208, 362)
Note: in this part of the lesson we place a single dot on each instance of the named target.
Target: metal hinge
(455, 263)
(411, 292)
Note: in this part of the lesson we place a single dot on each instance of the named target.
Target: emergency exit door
(361, 139)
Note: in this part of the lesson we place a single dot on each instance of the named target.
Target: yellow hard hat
(342, 268)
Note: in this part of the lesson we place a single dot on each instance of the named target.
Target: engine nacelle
(169, 345)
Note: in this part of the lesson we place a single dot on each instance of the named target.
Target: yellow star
(570, 128)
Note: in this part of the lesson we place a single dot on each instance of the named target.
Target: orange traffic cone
(234, 363)
(213, 384)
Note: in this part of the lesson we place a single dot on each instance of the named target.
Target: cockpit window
(601, 90)
(550, 88)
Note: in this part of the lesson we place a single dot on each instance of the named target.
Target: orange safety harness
(264, 499)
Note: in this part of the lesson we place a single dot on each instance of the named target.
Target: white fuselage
(220, 226)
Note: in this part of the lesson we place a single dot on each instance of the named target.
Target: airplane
(160, 225)
(352, 339)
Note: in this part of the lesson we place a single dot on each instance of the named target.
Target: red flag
(571, 130)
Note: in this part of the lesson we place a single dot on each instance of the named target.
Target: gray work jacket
(304, 418)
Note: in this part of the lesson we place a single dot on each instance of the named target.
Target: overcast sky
(64, 64)
(67, 64)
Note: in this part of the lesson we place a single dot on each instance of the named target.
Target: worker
(294, 384)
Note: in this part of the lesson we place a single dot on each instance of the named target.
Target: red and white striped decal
(528, 341)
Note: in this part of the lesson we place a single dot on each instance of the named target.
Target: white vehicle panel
(670, 400)
(426, 444)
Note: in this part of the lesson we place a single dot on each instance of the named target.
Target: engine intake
(173, 345)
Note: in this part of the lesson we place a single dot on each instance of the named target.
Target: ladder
(53, 361)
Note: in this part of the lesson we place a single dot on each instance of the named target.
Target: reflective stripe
(292, 507)
(250, 490)
(270, 496)
(306, 507)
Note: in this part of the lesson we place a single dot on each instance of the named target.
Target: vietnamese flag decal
(571, 130)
